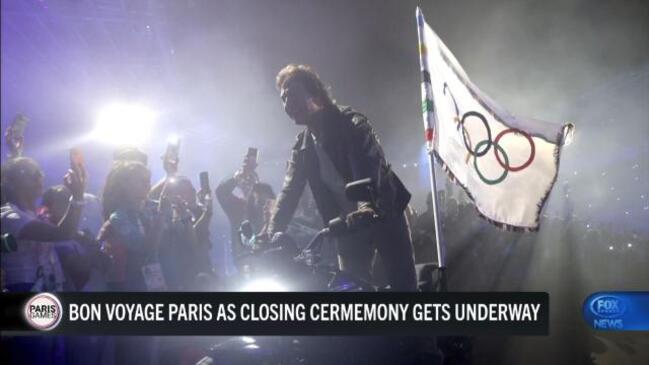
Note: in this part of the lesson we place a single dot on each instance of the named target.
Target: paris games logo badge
(43, 311)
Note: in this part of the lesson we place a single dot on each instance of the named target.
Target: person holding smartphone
(34, 266)
(129, 234)
(185, 243)
(185, 246)
(244, 198)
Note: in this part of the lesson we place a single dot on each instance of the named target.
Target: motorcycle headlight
(264, 285)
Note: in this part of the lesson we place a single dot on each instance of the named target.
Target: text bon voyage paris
(339, 312)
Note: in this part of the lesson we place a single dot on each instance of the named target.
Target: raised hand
(205, 200)
(76, 182)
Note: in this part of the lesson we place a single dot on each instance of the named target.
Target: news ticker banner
(234, 313)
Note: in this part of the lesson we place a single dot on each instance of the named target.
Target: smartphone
(205, 181)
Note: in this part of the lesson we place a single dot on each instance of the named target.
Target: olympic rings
(483, 147)
(505, 171)
(506, 165)
(477, 152)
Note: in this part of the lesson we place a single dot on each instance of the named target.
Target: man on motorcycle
(339, 146)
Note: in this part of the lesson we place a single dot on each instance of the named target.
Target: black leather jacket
(350, 142)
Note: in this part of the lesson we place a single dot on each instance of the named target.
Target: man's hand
(246, 174)
(204, 198)
(76, 182)
(361, 217)
(263, 238)
(249, 164)
(239, 176)
(170, 166)
(267, 238)
(14, 144)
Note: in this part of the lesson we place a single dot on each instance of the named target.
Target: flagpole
(429, 125)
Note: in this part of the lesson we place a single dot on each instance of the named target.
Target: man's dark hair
(130, 154)
(56, 194)
(117, 182)
(14, 173)
(307, 76)
(264, 188)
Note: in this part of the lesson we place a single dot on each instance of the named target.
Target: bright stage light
(124, 124)
(173, 139)
(264, 285)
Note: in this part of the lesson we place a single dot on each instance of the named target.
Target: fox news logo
(607, 310)
(43, 311)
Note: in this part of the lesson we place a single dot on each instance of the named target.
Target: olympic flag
(506, 164)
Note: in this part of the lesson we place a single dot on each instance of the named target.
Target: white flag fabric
(506, 164)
